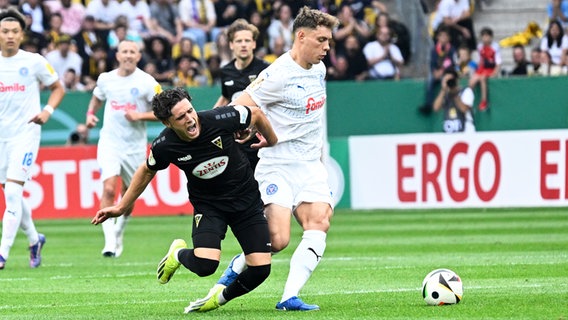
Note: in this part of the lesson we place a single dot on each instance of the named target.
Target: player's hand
(131, 115)
(243, 136)
(105, 213)
(41, 117)
(91, 121)
(262, 142)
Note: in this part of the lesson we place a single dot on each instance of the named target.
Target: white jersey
(134, 92)
(20, 78)
(293, 99)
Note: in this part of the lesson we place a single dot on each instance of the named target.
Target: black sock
(247, 281)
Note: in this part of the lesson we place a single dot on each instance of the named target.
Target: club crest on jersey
(197, 219)
(218, 142)
(134, 92)
(271, 189)
(252, 77)
(211, 168)
(24, 72)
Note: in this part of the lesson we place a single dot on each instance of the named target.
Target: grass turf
(513, 264)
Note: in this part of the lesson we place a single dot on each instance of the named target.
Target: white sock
(27, 223)
(110, 235)
(305, 259)
(120, 225)
(13, 195)
(240, 263)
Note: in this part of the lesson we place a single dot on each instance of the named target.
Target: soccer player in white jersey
(291, 175)
(122, 145)
(21, 117)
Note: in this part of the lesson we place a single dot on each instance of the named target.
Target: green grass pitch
(513, 264)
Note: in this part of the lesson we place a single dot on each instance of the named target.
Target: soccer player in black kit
(241, 71)
(221, 188)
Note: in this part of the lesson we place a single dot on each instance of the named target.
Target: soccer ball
(441, 287)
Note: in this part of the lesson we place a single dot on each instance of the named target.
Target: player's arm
(222, 101)
(261, 123)
(142, 177)
(94, 105)
(140, 116)
(55, 98)
(244, 100)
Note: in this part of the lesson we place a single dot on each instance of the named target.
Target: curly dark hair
(163, 102)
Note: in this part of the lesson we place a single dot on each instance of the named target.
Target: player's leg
(313, 213)
(36, 240)
(253, 236)
(13, 193)
(109, 162)
(129, 165)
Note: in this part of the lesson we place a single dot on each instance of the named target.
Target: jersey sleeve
(99, 89)
(154, 161)
(46, 74)
(156, 88)
(267, 88)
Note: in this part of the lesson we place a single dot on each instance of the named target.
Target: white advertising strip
(483, 169)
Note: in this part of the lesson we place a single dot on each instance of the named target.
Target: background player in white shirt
(291, 175)
(128, 92)
(21, 73)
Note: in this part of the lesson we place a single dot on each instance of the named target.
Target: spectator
(547, 67)
(227, 11)
(357, 62)
(521, 61)
(138, 15)
(383, 57)
(188, 73)
(54, 32)
(401, 35)
(557, 10)
(466, 66)
(262, 39)
(456, 16)
(86, 39)
(63, 58)
(165, 21)
(488, 66)
(105, 13)
(534, 65)
(72, 14)
(349, 25)
(281, 27)
(277, 51)
(339, 71)
(213, 70)
(80, 136)
(223, 49)
(555, 42)
(38, 13)
(97, 63)
(457, 104)
(31, 37)
(187, 48)
(158, 51)
(442, 57)
(71, 81)
(199, 20)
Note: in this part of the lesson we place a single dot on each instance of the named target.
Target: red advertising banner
(66, 184)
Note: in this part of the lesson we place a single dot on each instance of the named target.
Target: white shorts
(291, 183)
(17, 158)
(115, 163)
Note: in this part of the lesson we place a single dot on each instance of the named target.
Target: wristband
(49, 109)
(89, 112)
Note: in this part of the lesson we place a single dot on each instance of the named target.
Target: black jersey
(233, 83)
(219, 175)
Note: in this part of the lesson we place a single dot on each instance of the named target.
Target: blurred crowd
(184, 43)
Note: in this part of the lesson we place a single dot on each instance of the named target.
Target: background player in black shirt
(241, 71)
(220, 185)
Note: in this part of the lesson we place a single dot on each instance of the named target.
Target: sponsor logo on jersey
(115, 105)
(186, 158)
(15, 87)
(218, 142)
(211, 168)
(24, 72)
(271, 189)
(151, 160)
(157, 89)
(197, 219)
(314, 104)
(50, 68)
(229, 83)
(135, 92)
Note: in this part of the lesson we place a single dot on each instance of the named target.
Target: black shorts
(249, 227)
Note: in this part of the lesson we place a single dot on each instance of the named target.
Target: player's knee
(279, 243)
(204, 267)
